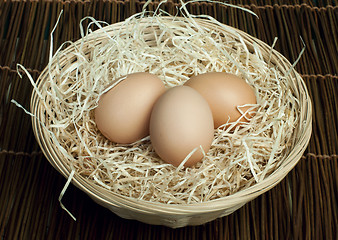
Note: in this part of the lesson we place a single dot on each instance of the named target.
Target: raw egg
(224, 92)
(180, 122)
(123, 113)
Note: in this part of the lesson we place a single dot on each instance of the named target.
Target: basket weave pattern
(185, 214)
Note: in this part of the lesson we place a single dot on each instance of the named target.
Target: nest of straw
(173, 48)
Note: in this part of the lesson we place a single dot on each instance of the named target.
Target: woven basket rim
(232, 200)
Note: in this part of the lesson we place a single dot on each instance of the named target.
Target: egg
(123, 112)
(224, 92)
(180, 122)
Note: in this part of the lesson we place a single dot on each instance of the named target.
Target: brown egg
(181, 121)
(224, 92)
(123, 113)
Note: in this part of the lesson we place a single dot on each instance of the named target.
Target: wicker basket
(182, 214)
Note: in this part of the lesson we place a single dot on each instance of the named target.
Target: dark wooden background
(302, 206)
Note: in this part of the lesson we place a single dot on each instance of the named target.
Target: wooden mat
(302, 206)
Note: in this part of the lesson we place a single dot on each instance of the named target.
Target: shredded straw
(174, 49)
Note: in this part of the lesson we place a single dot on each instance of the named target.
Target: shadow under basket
(172, 215)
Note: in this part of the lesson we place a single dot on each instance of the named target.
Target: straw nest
(131, 179)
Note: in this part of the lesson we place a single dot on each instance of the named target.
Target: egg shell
(123, 113)
(181, 121)
(224, 92)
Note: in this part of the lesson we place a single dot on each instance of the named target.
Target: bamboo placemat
(302, 206)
